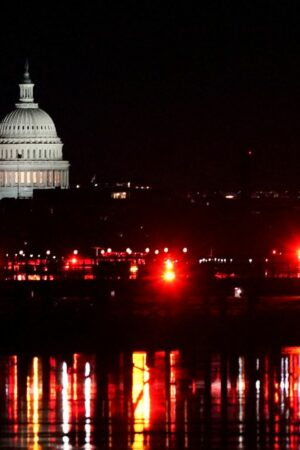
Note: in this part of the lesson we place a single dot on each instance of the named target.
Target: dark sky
(168, 93)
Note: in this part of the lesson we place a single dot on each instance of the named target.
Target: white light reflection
(87, 405)
(257, 388)
(87, 370)
(241, 442)
(65, 402)
(241, 395)
(66, 443)
(284, 382)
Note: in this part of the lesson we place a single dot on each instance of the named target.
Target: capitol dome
(30, 150)
(33, 122)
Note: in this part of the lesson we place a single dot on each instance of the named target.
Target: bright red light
(274, 252)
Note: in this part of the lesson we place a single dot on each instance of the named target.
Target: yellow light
(140, 398)
(133, 269)
(34, 277)
(169, 275)
(33, 397)
(169, 264)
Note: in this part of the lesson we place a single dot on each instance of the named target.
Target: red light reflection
(12, 391)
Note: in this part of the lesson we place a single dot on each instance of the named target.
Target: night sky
(166, 94)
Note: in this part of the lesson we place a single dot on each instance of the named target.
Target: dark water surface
(158, 399)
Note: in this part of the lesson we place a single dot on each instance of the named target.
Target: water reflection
(149, 400)
(140, 398)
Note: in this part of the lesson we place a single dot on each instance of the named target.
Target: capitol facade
(30, 150)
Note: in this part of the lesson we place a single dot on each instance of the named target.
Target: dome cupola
(27, 119)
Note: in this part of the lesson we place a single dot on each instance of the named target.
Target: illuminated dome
(30, 150)
(27, 122)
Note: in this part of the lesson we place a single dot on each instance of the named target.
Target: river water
(163, 398)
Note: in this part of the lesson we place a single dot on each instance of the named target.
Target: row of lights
(147, 250)
(31, 255)
(129, 251)
(223, 260)
(220, 260)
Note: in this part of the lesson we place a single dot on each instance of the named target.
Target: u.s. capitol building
(30, 150)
